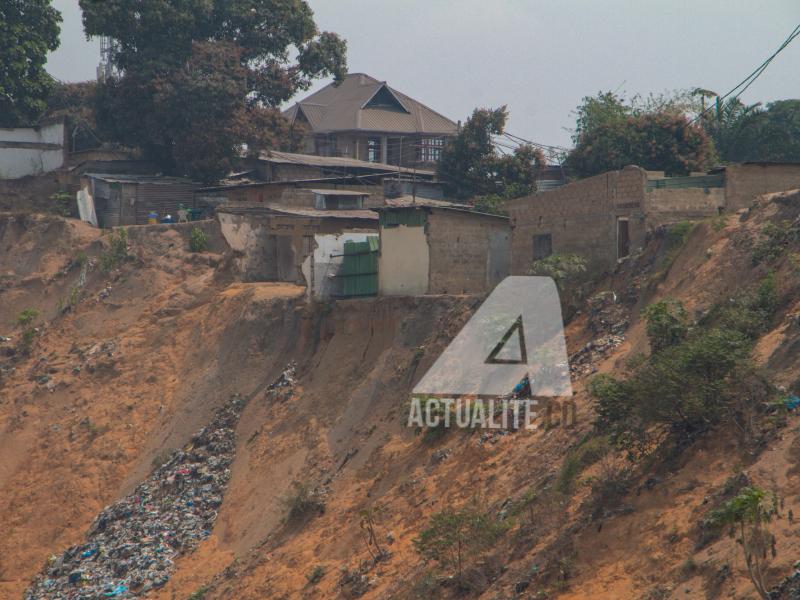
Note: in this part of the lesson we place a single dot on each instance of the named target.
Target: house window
(542, 246)
(374, 149)
(430, 149)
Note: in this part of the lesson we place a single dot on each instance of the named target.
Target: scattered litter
(283, 388)
(583, 362)
(131, 546)
(791, 402)
(609, 318)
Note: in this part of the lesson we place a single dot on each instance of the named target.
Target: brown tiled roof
(351, 106)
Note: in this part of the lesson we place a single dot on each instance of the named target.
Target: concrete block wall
(460, 251)
(664, 206)
(581, 218)
(745, 182)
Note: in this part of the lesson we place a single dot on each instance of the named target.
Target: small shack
(125, 199)
(332, 252)
(338, 199)
(430, 247)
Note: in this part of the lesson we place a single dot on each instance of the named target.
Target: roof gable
(384, 99)
(362, 103)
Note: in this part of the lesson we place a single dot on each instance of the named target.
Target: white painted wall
(20, 156)
(404, 261)
(324, 265)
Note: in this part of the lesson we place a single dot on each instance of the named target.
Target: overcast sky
(538, 57)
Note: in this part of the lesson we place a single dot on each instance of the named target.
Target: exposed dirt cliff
(138, 359)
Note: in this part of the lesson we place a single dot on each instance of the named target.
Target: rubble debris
(609, 318)
(282, 388)
(131, 546)
(608, 314)
(584, 361)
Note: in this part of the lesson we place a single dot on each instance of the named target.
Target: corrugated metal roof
(355, 213)
(313, 160)
(346, 107)
(330, 192)
(404, 201)
(132, 178)
(454, 207)
(258, 208)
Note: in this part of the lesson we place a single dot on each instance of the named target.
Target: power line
(750, 79)
(519, 139)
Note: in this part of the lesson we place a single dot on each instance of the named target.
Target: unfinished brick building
(436, 249)
(606, 217)
(599, 217)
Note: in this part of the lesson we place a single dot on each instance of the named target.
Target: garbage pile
(584, 361)
(283, 387)
(608, 313)
(131, 546)
(609, 318)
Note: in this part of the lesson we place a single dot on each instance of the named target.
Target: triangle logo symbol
(517, 328)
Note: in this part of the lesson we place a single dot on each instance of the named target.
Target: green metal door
(360, 268)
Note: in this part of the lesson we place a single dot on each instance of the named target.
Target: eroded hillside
(137, 360)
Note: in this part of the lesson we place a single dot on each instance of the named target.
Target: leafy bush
(493, 204)
(198, 240)
(682, 388)
(25, 320)
(609, 486)
(455, 535)
(677, 236)
(316, 575)
(61, 201)
(199, 593)
(27, 316)
(685, 388)
(749, 313)
(585, 454)
(28, 335)
(666, 324)
(565, 269)
(302, 501)
(776, 238)
(118, 249)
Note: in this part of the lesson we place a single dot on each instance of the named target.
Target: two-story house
(366, 119)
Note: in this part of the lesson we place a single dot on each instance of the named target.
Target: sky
(537, 57)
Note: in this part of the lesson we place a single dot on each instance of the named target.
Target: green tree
(29, 29)
(655, 133)
(455, 535)
(666, 324)
(749, 514)
(726, 122)
(76, 102)
(471, 166)
(201, 79)
(681, 390)
(769, 134)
